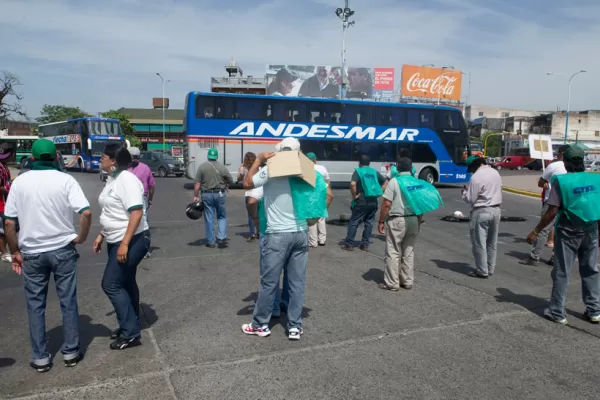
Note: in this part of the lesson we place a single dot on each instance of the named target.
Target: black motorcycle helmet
(194, 210)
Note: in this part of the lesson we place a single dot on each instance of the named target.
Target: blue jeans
(286, 252)
(250, 221)
(361, 213)
(214, 203)
(282, 297)
(568, 244)
(36, 271)
(120, 285)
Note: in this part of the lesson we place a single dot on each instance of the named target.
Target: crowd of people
(38, 223)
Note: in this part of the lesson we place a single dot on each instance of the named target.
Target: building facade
(473, 112)
(147, 125)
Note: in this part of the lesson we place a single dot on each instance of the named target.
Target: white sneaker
(294, 333)
(6, 258)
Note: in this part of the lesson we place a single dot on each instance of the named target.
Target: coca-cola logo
(441, 85)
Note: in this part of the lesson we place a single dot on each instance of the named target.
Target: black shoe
(347, 248)
(116, 333)
(211, 245)
(321, 244)
(551, 261)
(252, 238)
(74, 361)
(122, 343)
(363, 247)
(530, 261)
(41, 368)
(474, 274)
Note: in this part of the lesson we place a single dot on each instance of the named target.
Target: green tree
(494, 145)
(55, 113)
(126, 126)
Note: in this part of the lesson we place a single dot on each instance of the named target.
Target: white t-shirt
(44, 203)
(555, 168)
(323, 171)
(121, 195)
(278, 203)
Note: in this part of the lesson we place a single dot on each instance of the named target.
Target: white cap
(134, 151)
(290, 143)
(278, 147)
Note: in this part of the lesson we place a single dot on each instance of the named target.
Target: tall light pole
(344, 14)
(568, 99)
(163, 109)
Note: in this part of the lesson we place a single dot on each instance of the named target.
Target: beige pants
(401, 235)
(317, 233)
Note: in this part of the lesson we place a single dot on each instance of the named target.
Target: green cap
(213, 154)
(573, 153)
(311, 156)
(42, 147)
(470, 160)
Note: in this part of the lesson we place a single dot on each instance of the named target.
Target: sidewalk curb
(522, 192)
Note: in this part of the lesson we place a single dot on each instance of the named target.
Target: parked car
(592, 166)
(162, 164)
(536, 165)
(513, 162)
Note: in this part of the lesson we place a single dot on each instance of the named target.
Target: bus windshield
(337, 131)
(104, 128)
(98, 146)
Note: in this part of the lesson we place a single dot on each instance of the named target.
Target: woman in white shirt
(249, 158)
(128, 240)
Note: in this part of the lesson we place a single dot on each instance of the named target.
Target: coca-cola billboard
(433, 83)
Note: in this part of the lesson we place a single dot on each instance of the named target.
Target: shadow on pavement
(374, 275)
(6, 362)
(249, 309)
(519, 255)
(87, 333)
(149, 315)
(458, 267)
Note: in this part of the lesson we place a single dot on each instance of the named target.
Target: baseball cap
(213, 153)
(311, 156)
(573, 153)
(42, 147)
(134, 151)
(290, 143)
(470, 160)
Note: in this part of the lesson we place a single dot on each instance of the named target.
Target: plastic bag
(309, 202)
(421, 196)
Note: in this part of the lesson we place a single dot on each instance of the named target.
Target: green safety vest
(394, 171)
(580, 195)
(309, 202)
(369, 182)
(422, 197)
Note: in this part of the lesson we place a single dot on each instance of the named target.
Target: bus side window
(377, 152)
(268, 111)
(205, 107)
(421, 118)
(389, 116)
(248, 109)
(357, 114)
(422, 153)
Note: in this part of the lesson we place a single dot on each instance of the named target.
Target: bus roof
(81, 119)
(325, 100)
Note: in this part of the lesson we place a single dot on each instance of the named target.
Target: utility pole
(344, 14)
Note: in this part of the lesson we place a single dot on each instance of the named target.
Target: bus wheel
(428, 175)
(80, 165)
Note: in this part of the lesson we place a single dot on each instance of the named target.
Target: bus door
(233, 155)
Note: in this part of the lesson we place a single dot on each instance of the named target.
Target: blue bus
(337, 131)
(81, 141)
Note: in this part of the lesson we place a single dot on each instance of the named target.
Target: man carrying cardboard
(285, 245)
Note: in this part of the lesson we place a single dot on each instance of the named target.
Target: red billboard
(384, 79)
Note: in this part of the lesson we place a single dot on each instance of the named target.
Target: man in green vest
(573, 201)
(366, 187)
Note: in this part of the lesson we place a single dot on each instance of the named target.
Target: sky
(105, 54)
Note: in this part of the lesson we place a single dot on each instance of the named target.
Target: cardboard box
(292, 163)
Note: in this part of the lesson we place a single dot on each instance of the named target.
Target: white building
(584, 126)
(473, 112)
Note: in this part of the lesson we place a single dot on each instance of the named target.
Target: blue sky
(104, 54)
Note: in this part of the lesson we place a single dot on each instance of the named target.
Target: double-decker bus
(21, 146)
(337, 131)
(81, 141)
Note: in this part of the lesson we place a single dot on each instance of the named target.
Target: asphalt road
(451, 337)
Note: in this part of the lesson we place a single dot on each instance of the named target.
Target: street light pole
(440, 81)
(568, 100)
(344, 14)
(163, 110)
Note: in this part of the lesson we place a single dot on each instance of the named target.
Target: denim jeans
(569, 244)
(214, 203)
(250, 221)
(483, 227)
(282, 296)
(542, 237)
(361, 213)
(36, 271)
(119, 283)
(286, 252)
